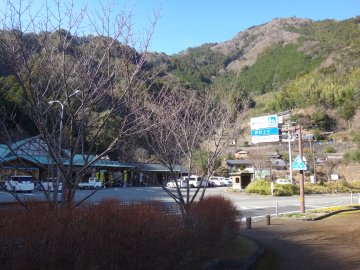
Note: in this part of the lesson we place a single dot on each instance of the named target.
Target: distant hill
(284, 64)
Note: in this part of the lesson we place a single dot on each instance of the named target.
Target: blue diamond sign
(298, 164)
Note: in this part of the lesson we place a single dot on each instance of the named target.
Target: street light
(289, 137)
(61, 113)
(62, 110)
(60, 138)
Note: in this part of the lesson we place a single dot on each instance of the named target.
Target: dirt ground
(330, 243)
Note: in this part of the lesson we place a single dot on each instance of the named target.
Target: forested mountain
(284, 64)
(301, 62)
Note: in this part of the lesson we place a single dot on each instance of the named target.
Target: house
(278, 164)
(241, 154)
(242, 172)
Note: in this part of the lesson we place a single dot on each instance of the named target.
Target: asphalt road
(255, 206)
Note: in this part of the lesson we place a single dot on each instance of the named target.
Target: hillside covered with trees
(286, 64)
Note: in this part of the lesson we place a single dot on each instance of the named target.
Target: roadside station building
(31, 157)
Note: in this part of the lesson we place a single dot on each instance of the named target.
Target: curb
(331, 214)
(249, 262)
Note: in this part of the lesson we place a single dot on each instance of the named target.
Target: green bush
(263, 187)
(329, 149)
(332, 187)
(259, 186)
(286, 190)
(354, 186)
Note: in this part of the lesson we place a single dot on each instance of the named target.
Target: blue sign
(272, 121)
(299, 165)
(264, 129)
(265, 132)
(264, 122)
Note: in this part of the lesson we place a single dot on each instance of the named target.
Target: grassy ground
(323, 212)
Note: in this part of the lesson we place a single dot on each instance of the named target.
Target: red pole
(302, 197)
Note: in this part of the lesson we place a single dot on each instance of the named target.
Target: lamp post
(64, 188)
(61, 114)
(62, 110)
(290, 161)
(313, 158)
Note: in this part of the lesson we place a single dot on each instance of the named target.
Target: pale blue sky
(190, 23)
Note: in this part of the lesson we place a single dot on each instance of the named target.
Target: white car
(49, 185)
(216, 181)
(196, 181)
(20, 183)
(181, 184)
(227, 181)
(283, 182)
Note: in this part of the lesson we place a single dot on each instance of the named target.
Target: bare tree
(190, 121)
(329, 166)
(75, 87)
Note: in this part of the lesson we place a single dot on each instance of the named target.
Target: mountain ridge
(261, 37)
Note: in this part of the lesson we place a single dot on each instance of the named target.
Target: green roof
(35, 150)
(157, 167)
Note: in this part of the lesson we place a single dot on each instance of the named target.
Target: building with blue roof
(31, 157)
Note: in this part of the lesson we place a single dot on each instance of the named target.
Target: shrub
(354, 186)
(104, 237)
(329, 149)
(259, 186)
(111, 235)
(215, 215)
(310, 188)
(332, 187)
(286, 190)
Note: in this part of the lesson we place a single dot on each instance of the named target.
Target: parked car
(209, 183)
(227, 181)
(92, 183)
(49, 185)
(20, 183)
(181, 183)
(283, 181)
(196, 181)
(216, 180)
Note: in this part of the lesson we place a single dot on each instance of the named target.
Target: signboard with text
(264, 129)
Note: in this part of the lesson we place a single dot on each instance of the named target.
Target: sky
(191, 23)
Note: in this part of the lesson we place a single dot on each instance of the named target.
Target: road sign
(264, 129)
(265, 132)
(264, 122)
(298, 164)
(263, 139)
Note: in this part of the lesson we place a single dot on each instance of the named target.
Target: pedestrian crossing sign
(299, 165)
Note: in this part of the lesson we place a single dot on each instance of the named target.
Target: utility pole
(302, 197)
(290, 160)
